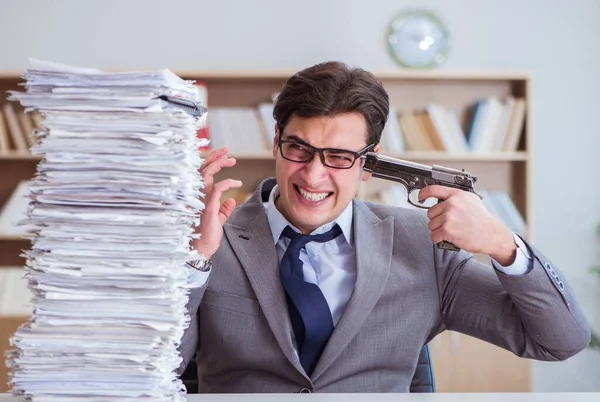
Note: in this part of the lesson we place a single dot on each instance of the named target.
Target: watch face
(418, 39)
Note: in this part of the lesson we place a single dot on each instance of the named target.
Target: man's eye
(297, 147)
(340, 158)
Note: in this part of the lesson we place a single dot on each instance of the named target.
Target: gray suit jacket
(406, 292)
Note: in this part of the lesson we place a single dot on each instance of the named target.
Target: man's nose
(315, 169)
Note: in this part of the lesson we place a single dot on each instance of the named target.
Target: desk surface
(471, 397)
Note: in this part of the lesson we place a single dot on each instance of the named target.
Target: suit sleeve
(534, 315)
(522, 263)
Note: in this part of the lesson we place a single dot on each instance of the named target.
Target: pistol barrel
(394, 169)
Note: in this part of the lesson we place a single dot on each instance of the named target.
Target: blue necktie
(308, 308)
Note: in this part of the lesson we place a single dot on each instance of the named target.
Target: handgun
(415, 176)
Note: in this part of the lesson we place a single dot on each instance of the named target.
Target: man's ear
(367, 175)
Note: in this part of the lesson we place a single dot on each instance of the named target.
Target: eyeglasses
(296, 151)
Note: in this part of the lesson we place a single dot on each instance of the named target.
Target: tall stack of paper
(113, 207)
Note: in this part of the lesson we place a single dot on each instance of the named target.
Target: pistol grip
(446, 245)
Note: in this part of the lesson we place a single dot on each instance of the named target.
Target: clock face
(418, 39)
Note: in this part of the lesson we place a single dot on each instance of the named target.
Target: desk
(471, 397)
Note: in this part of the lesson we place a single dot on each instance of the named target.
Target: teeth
(312, 196)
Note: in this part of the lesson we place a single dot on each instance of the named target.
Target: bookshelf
(461, 363)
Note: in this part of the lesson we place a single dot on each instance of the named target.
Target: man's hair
(332, 88)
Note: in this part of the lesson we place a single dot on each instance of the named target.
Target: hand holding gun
(415, 176)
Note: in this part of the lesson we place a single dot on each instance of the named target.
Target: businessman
(306, 288)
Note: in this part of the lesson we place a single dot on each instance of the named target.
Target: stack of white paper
(113, 207)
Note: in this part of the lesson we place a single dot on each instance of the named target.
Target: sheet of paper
(114, 204)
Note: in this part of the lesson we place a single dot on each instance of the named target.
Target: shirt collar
(278, 222)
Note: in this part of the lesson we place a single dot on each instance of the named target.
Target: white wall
(556, 40)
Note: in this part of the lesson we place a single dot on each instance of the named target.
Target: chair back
(423, 378)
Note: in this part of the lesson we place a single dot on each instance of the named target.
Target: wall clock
(418, 39)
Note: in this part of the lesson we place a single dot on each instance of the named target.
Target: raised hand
(215, 213)
(463, 220)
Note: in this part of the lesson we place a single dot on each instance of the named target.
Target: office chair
(190, 377)
(422, 379)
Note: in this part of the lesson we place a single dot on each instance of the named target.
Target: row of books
(497, 202)
(16, 128)
(495, 126)
(241, 129)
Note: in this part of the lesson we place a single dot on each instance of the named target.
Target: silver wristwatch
(202, 265)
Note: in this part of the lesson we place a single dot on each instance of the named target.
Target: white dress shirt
(332, 265)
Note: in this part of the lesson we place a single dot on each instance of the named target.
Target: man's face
(312, 194)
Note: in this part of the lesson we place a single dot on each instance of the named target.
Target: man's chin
(309, 225)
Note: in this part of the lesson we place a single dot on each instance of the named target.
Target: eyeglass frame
(357, 155)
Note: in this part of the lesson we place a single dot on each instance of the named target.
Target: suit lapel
(373, 240)
(250, 237)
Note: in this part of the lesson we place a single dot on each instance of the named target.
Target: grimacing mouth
(298, 191)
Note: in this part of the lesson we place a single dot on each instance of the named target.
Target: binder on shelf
(392, 138)
(14, 127)
(4, 136)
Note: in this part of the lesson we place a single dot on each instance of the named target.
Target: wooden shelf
(13, 238)
(408, 90)
(16, 156)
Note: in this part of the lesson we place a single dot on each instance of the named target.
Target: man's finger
(440, 235)
(436, 191)
(214, 203)
(436, 223)
(217, 165)
(213, 156)
(436, 210)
